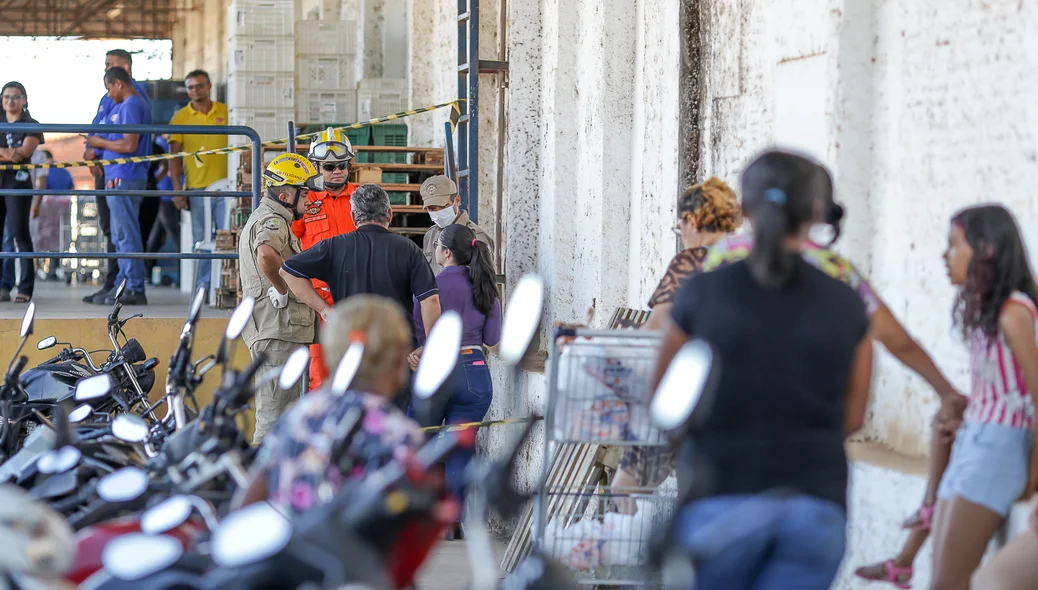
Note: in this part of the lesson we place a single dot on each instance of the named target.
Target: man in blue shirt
(116, 58)
(129, 109)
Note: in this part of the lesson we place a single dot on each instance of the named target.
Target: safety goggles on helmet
(331, 150)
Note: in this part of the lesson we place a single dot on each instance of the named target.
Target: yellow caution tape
(467, 425)
(454, 117)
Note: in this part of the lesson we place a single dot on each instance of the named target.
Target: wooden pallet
(572, 466)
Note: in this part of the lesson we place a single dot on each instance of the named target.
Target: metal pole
(26, 192)
(290, 147)
(449, 169)
(257, 171)
(473, 108)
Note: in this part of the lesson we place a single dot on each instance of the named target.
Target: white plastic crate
(260, 90)
(324, 106)
(326, 72)
(326, 37)
(270, 123)
(260, 17)
(395, 86)
(378, 97)
(247, 53)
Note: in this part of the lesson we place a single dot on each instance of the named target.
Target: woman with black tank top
(17, 148)
(796, 366)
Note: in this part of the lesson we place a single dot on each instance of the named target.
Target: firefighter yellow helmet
(331, 145)
(293, 170)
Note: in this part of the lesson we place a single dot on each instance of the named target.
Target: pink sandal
(898, 576)
(921, 520)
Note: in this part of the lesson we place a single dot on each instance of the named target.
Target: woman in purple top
(467, 286)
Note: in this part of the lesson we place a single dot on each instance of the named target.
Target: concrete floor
(56, 300)
(448, 567)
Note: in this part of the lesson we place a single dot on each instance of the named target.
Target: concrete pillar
(394, 39)
(372, 25)
(431, 65)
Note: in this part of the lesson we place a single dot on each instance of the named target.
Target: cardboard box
(368, 176)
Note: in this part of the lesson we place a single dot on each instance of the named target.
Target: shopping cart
(599, 391)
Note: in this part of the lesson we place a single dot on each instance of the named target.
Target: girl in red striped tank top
(992, 462)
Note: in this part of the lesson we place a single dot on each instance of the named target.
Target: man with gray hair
(371, 259)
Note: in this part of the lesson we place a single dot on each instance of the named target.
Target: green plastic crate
(396, 197)
(389, 135)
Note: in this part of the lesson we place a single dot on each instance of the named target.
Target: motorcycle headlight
(133, 352)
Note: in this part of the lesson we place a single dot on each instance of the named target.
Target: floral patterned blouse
(737, 248)
(295, 456)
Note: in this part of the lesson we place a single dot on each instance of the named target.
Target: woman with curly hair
(993, 461)
(707, 212)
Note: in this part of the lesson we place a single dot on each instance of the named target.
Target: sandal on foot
(921, 520)
(19, 298)
(898, 576)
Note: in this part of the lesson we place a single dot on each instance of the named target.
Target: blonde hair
(713, 206)
(376, 321)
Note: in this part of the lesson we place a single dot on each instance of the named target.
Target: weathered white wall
(928, 108)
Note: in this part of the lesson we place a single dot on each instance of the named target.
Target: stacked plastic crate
(378, 97)
(261, 55)
(326, 79)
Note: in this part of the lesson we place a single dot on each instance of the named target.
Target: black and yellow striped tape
(467, 425)
(454, 117)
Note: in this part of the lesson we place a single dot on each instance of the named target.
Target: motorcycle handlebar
(18, 366)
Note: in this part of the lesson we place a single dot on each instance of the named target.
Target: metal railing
(257, 169)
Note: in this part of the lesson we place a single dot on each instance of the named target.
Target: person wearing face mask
(443, 204)
(280, 323)
(328, 214)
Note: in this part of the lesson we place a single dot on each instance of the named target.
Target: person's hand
(945, 427)
(95, 141)
(96, 171)
(325, 312)
(414, 357)
(34, 212)
(89, 154)
(280, 300)
(180, 203)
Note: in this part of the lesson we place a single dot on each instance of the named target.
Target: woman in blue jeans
(467, 286)
(796, 365)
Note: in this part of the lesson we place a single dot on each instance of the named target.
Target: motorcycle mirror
(93, 387)
(166, 515)
(27, 319)
(251, 534)
(439, 355)
(347, 369)
(79, 414)
(46, 343)
(196, 306)
(136, 555)
(59, 460)
(679, 399)
(120, 290)
(239, 317)
(122, 485)
(522, 317)
(130, 428)
(294, 367)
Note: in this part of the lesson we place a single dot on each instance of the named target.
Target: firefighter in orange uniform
(327, 215)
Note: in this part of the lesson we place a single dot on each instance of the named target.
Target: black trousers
(104, 219)
(167, 225)
(14, 215)
(147, 216)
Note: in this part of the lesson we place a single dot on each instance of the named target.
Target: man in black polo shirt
(371, 259)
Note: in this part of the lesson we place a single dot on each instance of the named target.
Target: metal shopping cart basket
(599, 390)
